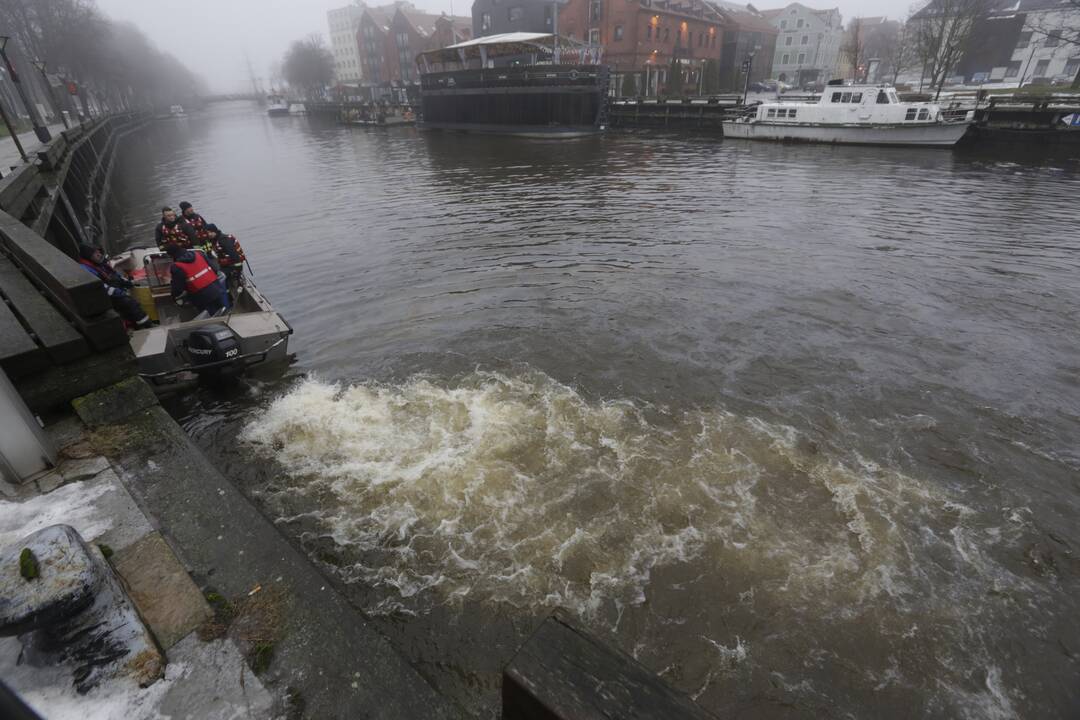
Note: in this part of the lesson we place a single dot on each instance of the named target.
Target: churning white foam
(521, 490)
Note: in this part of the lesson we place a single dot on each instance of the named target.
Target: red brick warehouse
(641, 37)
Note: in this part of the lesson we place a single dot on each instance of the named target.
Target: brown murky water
(796, 426)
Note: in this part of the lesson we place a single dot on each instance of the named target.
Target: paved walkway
(9, 154)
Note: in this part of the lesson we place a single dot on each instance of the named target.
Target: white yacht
(851, 114)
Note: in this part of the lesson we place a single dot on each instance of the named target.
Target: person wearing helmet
(117, 286)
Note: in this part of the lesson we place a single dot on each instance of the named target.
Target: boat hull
(277, 112)
(539, 132)
(928, 135)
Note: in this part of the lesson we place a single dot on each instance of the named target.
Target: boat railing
(533, 75)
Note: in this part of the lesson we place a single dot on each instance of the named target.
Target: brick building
(389, 38)
(746, 31)
(642, 37)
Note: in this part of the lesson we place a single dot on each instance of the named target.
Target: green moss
(28, 565)
(106, 551)
(260, 656)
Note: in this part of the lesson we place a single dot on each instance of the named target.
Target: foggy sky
(211, 36)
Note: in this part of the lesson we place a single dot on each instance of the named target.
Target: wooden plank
(563, 673)
(61, 341)
(74, 290)
(19, 354)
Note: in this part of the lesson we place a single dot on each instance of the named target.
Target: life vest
(105, 273)
(174, 235)
(198, 272)
(198, 223)
(223, 257)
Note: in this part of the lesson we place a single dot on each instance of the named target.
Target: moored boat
(186, 345)
(852, 114)
(524, 84)
(276, 105)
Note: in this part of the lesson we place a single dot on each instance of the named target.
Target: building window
(689, 38)
(515, 13)
(788, 39)
(485, 22)
(700, 39)
(785, 59)
(802, 58)
(800, 23)
(783, 24)
(618, 32)
(403, 40)
(648, 32)
(1072, 67)
(594, 10)
(667, 34)
(1041, 67)
(594, 36)
(1013, 69)
(1051, 41)
(1024, 41)
(805, 39)
(547, 15)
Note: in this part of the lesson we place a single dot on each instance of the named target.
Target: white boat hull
(928, 134)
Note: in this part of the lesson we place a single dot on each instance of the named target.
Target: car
(758, 87)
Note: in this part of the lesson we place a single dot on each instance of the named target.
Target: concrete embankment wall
(59, 337)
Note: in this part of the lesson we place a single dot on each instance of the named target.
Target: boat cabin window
(910, 114)
(893, 98)
(836, 97)
(856, 97)
(882, 98)
(772, 112)
(791, 113)
(845, 98)
(924, 113)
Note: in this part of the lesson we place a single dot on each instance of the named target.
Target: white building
(807, 44)
(343, 23)
(1042, 52)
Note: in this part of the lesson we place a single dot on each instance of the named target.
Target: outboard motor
(212, 344)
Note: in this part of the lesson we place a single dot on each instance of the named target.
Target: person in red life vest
(228, 252)
(195, 280)
(197, 222)
(116, 285)
(174, 231)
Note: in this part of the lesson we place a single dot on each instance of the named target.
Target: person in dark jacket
(197, 222)
(116, 285)
(174, 231)
(228, 252)
(194, 280)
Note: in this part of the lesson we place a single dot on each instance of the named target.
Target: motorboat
(297, 108)
(177, 111)
(276, 105)
(186, 345)
(852, 114)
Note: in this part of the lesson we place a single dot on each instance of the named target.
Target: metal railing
(533, 75)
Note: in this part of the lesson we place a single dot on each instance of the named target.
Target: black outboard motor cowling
(212, 344)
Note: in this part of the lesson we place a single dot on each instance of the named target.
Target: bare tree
(854, 46)
(942, 28)
(309, 66)
(81, 44)
(900, 53)
(1061, 24)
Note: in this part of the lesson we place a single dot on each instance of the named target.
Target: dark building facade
(493, 17)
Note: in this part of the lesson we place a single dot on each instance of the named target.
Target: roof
(425, 22)
(503, 44)
(744, 16)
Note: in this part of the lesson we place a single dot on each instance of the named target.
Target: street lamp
(40, 130)
(40, 65)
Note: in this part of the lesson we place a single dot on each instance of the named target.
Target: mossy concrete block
(54, 387)
(160, 587)
(113, 403)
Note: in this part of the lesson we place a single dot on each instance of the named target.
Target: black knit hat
(184, 206)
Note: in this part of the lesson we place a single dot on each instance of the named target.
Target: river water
(795, 426)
